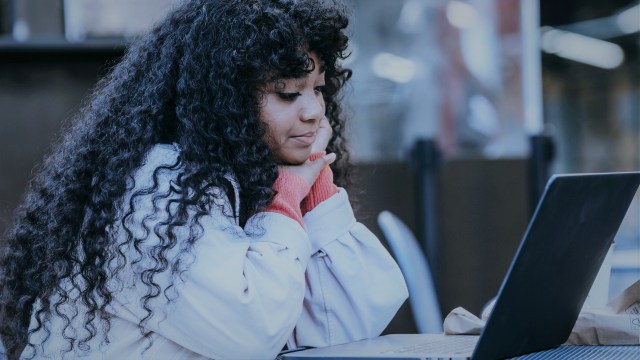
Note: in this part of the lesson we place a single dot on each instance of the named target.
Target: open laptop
(550, 276)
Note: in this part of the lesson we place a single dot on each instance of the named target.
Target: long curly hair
(195, 80)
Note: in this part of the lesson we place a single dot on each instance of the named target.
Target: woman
(190, 211)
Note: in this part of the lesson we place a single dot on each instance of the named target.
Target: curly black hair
(195, 80)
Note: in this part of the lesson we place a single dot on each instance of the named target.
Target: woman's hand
(309, 170)
(323, 135)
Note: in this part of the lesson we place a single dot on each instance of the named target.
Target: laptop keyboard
(449, 345)
(576, 352)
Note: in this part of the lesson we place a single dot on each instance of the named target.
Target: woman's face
(292, 110)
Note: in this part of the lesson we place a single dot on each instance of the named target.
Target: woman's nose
(313, 108)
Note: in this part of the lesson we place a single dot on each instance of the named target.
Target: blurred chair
(415, 268)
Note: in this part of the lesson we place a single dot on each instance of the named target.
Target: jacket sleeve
(241, 293)
(353, 285)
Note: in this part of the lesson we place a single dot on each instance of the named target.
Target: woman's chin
(297, 158)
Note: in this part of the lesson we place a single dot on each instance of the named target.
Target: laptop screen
(562, 250)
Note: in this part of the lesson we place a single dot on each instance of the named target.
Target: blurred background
(460, 110)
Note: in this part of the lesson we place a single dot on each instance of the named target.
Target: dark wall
(39, 91)
(483, 210)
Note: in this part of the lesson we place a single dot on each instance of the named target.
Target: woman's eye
(320, 89)
(288, 96)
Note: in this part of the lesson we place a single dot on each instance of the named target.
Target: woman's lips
(306, 138)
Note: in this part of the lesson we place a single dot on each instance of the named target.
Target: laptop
(547, 283)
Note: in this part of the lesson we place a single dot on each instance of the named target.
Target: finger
(325, 126)
(323, 161)
(324, 134)
(324, 123)
(329, 158)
